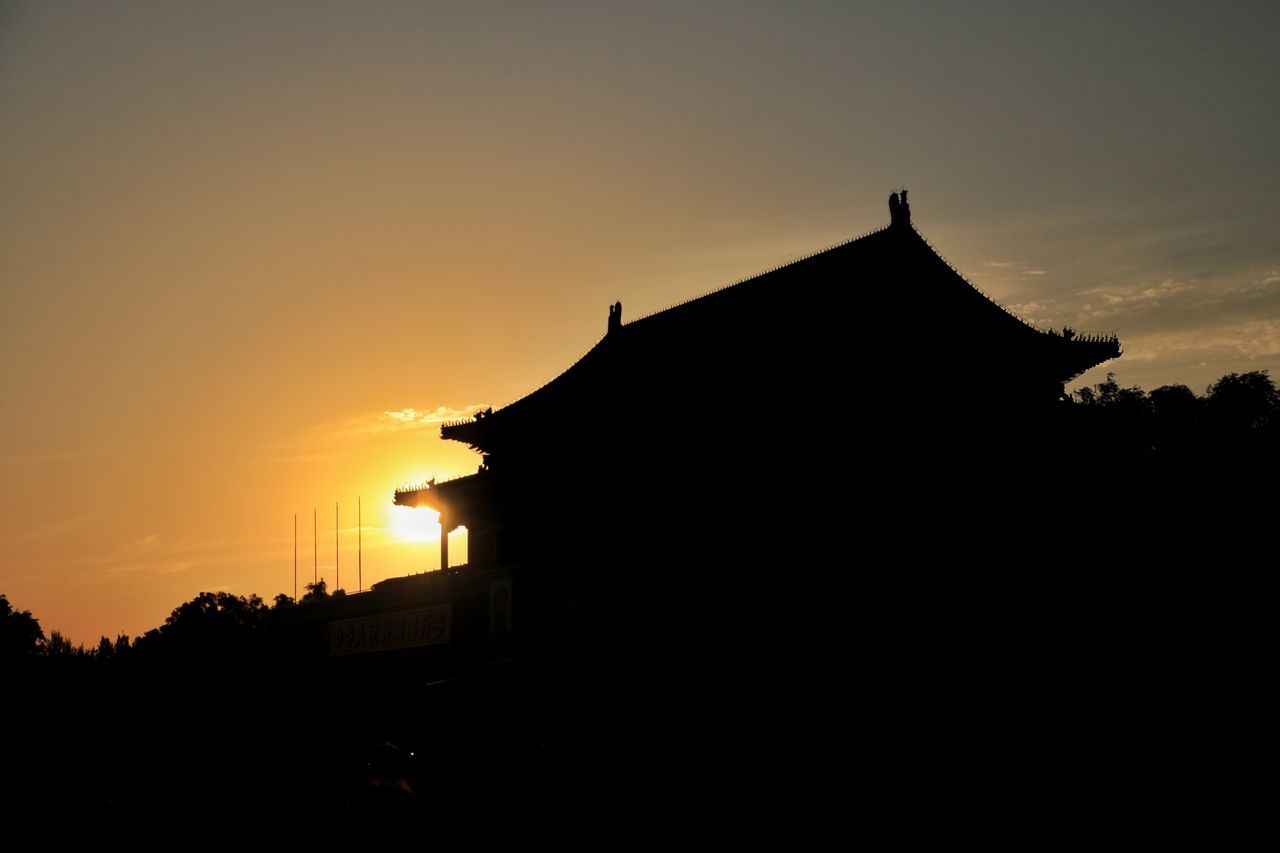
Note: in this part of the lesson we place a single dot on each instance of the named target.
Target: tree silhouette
(318, 591)
(108, 650)
(1238, 417)
(60, 646)
(20, 632)
(1109, 395)
(211, 625)
(1244, 400)
(1175, 402)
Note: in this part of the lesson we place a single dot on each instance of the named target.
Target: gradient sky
(252, 253)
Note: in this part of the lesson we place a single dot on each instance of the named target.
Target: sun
(415, 524)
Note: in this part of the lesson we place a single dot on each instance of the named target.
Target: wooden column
(444, 542)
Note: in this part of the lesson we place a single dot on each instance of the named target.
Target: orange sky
(237, 241)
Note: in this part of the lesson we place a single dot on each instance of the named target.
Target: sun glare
(419, 524)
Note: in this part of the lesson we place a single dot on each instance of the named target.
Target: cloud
(364, 426)
(316, 444)
(143, 555)
(1131, 302)
(300, 458)
(153, 555)
(1005, 270)
(149, 567)
(1173, 304)
(1185, 304)
(1139, 297)
(439, 415)
(1272, 277)
(1249, 340)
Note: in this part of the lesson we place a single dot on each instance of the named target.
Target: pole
(295, 556)
(337, 575)
(315, 549)
(359, 547)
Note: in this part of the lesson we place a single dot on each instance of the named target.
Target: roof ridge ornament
(615, 317)
(899, 210)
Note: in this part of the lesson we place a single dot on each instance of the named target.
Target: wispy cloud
(305, 458)
(1003, 270)
(364, 426)
(145, 555)
(148, 567)
(1172, 304)
(1110, 301)
(318, 443)
(1249, 340)
(141, 556)
(152, 554)
(438, 415)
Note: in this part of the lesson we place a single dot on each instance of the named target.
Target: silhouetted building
(726, 417)
(842, 477)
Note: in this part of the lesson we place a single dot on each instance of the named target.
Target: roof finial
(615, 316)
(899, 210)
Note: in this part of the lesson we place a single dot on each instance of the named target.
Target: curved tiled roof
(899, 246)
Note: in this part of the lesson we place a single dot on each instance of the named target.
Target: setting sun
(415, 524)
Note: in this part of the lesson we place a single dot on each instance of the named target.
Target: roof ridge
(987, 296)
(751, 278)
(591, 349)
